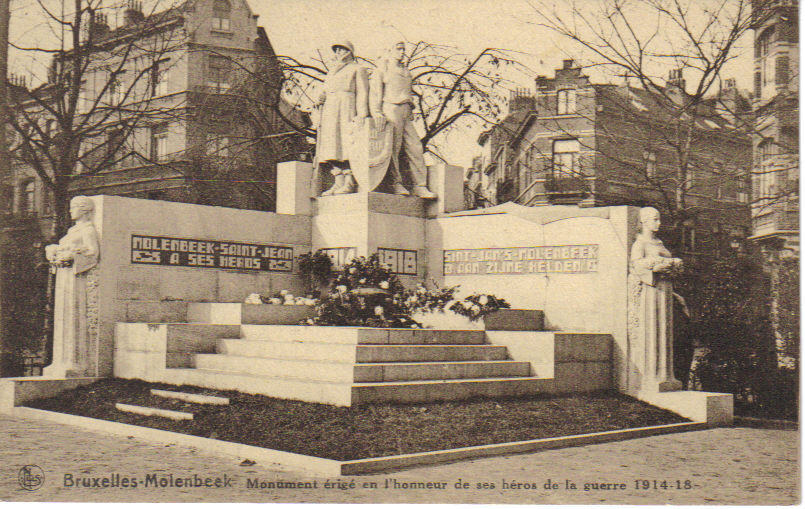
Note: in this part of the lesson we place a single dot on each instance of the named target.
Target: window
(565, 158)
(159, 143)
(116, 89)
(218, 75)
(650, 162)
(27, 193)
(765, 150)
(6, 197)
(688, 239)
(742, 195)
(566, 101)
(159, 78)
(781, 76)
(115, 146)
(221, 16)
(217, 145)
(764, 45)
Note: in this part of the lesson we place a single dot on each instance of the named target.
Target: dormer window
(566, 101)
(221, 12)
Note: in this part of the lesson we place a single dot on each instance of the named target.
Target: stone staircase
(336, 365)
(348, 366)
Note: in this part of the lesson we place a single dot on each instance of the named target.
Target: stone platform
(351, 365)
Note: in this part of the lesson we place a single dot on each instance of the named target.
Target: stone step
(300, 389)
(237, 313)
(323, 371)
(361, 336)
(157, 412)
(515, 320)
(410, 371)
(345, 394)
(345, 372)
(448, 390)
(360, 353)
(191, 398)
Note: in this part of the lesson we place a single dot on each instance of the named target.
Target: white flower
(275, 301)
(467, 304)
(384, 285)
(379, 310)
(310, 302)
(475, 309)
(483, 300)
(309, 321)
(253, 298)
(284, 292)
(414, 326)
(421, 290)
(362, 280)
(289, 296)
(341, 288)
(353, 270)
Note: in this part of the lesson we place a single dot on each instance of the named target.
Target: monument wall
(570, 262)
(156, 256)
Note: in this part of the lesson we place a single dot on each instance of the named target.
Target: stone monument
(651, 307)
(361, 151)
(75, 324)
(344, 102)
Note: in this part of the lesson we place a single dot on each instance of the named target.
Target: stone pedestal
(365, 223)
(293, 188)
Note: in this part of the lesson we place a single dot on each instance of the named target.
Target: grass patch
(365, 431)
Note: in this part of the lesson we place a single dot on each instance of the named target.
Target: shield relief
(370, 153)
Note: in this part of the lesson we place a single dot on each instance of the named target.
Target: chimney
(521, 99)
(133, 13)
(729, 84)
(675, 79)
(567, 64)
(98, 26)
(543, 83)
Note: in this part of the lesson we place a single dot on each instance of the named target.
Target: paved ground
(722, 466)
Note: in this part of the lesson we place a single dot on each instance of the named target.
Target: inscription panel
(399, 261)
(577, 259)
(213, 254)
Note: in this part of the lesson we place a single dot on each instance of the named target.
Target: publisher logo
(31, 477)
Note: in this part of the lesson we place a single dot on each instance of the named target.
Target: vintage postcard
(445, 251)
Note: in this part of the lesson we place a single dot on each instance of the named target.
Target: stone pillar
(448, 183)
(293, 188)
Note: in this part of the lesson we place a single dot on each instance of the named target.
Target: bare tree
(641, 41)
(101, 94)
(453, 89)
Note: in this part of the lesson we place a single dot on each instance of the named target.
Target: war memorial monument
(155, 290)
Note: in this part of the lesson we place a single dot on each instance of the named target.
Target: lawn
(365, 431)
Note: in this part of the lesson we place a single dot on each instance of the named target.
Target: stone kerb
(146, 292)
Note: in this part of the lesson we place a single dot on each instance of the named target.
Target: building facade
(188, 112)
(575, 142)
(180, 105)
(775, 173)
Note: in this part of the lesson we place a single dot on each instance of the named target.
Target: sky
(302, 28)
